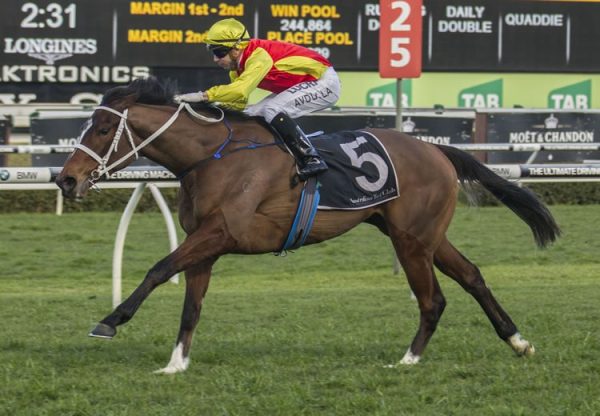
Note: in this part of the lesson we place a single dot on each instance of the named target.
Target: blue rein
(218, 154)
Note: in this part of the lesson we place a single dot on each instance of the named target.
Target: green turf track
(307, 334)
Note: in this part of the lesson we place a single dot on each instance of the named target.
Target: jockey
(300, 80)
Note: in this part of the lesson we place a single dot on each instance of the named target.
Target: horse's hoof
(529, 351)
(409, 358)
(178, 362)
(521, 346)
(103, 331)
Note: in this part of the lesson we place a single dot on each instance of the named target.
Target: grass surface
(307, 334)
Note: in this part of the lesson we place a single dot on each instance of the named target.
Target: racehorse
(239, 192)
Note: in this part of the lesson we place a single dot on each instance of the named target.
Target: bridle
(102, 168)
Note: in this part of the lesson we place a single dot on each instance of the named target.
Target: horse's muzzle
(70, 188)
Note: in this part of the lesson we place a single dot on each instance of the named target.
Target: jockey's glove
(192, 97)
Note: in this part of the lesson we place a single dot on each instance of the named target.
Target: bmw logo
(4, 175)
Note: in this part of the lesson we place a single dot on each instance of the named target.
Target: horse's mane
(154, 92)
(144, 91)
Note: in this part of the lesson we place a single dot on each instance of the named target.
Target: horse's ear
(117, 94)
(171, 86)
(125, 101)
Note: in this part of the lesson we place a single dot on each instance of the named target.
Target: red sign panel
(400, 38)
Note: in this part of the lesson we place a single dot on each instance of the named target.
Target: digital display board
(130, 34)
(51, 46)
(458, 35)
(511, 35)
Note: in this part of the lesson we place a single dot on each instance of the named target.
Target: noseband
(102, 168)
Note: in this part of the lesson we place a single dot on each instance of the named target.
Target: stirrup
(311, 167)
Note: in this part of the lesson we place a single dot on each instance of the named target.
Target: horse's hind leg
(417, 263)
(452, 263)
(196, 280)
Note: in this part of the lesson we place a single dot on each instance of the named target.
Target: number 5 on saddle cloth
(360, 175)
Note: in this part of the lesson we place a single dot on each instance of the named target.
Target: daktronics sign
(400, 38)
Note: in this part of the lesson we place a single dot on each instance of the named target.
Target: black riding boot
(307, 158)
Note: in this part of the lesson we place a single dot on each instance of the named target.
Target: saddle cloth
(360, 173)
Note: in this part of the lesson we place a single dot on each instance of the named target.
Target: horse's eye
(104, 132)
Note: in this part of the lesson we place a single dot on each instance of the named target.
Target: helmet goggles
(219, 51)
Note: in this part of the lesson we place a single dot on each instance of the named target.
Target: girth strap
(305, 215)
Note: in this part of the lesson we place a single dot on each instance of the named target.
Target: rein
(218, 154)
(103, 169)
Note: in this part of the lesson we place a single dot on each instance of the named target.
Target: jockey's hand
(192, 97)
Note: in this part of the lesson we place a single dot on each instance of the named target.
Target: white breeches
(301, 99)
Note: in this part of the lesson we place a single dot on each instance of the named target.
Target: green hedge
(581, 193)
(116, 199)
(571, 193)
(106, 200)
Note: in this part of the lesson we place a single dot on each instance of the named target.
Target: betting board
(52, 46)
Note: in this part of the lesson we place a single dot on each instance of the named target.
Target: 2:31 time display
(53, 15)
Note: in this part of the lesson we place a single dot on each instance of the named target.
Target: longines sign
(50, 50)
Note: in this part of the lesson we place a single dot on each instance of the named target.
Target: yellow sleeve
(235, 95)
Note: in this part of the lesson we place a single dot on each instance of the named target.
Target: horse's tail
(521, 201)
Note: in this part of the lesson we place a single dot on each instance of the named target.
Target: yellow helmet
(230, 33)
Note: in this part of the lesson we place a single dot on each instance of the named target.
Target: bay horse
(239, 193)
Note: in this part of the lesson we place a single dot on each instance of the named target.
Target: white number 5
(358, 161)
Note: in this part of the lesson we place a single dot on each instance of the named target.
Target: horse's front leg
(210, 241)
(196, 279)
